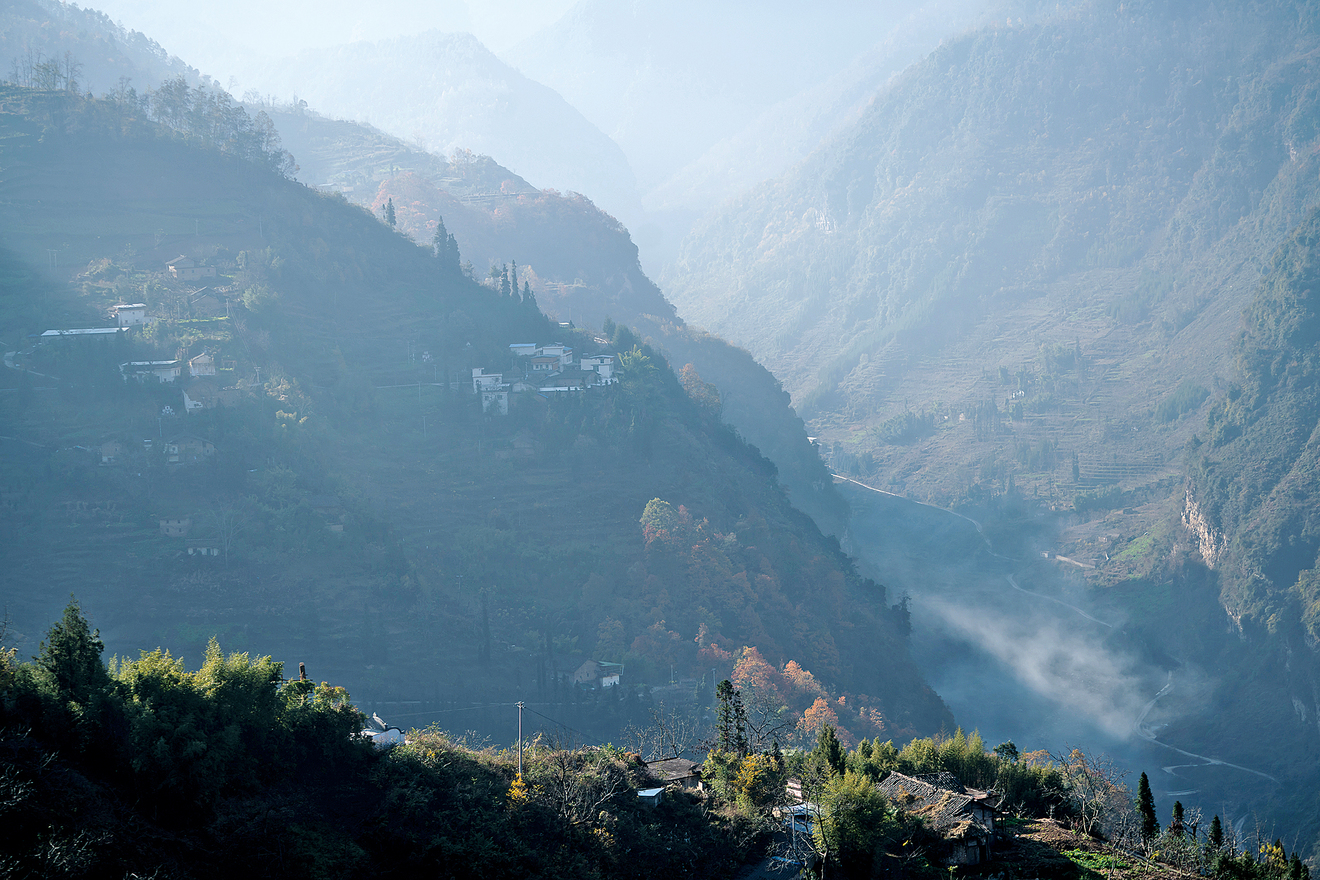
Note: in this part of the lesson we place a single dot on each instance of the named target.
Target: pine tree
(513, 278)
(504, 281)
(829, 751)
(528, 299)
(389, 212)
(730, 719)
(1150, 825)
(440, 241)
(1216, 835)
(1176, 825)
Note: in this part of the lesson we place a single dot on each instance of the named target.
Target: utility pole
(520, 708)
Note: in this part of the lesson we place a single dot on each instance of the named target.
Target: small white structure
(186, 269)
(481, 380)
(651, 797)
(202, 365)
(163, 371)
(522, 349)
(130, 314)
(602, 365)
(383, 739)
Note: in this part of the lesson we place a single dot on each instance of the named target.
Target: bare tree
(668, 735)
(1096, 789)
(768, 721)
(577, 783)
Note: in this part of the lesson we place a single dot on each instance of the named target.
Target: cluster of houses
(541, 369)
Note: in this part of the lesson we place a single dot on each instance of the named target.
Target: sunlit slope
(1107, 180)
(472, 548)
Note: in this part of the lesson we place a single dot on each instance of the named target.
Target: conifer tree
(389, 212)
(440, 241)
(1176, 825)
(1150, 825)
(527, 298)
(504, 281)
(513, 278)
(1216, 835)
(829, 751)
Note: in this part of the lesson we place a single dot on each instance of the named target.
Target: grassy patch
(1095, 862)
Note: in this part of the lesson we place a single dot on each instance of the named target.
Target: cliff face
(1209, 542)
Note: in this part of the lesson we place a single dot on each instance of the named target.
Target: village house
(130, 314)
(569, 380)
(175, 527)
(682, 772)
(201, 395)
(208, 303)
(202, 365)
(204, 547)
(602, 365)
(162, 371)
(186, 269)
(522, 349)
(482, 380)
(598, 673)
(112, 451)
(544, 363)
(963, 817)
(83, 333)
(188, 449)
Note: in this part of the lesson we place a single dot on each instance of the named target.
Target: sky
(285, 27)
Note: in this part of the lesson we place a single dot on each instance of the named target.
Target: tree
(69, 660)
(504, 281)
(1007, 751)
(440, 241)
(1150, 825)
(1216, 835)
(829, 751)
(389, 212)
(730, 719)
(528, 299)
(854, 820)
(1176, 825)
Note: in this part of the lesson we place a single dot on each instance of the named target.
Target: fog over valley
(598, 439)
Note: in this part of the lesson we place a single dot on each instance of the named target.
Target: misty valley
(586, 439)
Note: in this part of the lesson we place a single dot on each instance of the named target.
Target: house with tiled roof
(962, 817)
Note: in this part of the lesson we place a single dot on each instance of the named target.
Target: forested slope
(366, 514)
(581, 264)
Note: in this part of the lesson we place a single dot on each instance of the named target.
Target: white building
(130, 314)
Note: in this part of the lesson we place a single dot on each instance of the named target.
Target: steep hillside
(347, 499)
(446, 92)
(580, 263)
(1025, 247)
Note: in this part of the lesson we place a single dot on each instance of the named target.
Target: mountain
(1027, 242)
(581, 264)
(336, 494)
(37, 31)
(667, 81)
(447, 91)
(707, 100)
